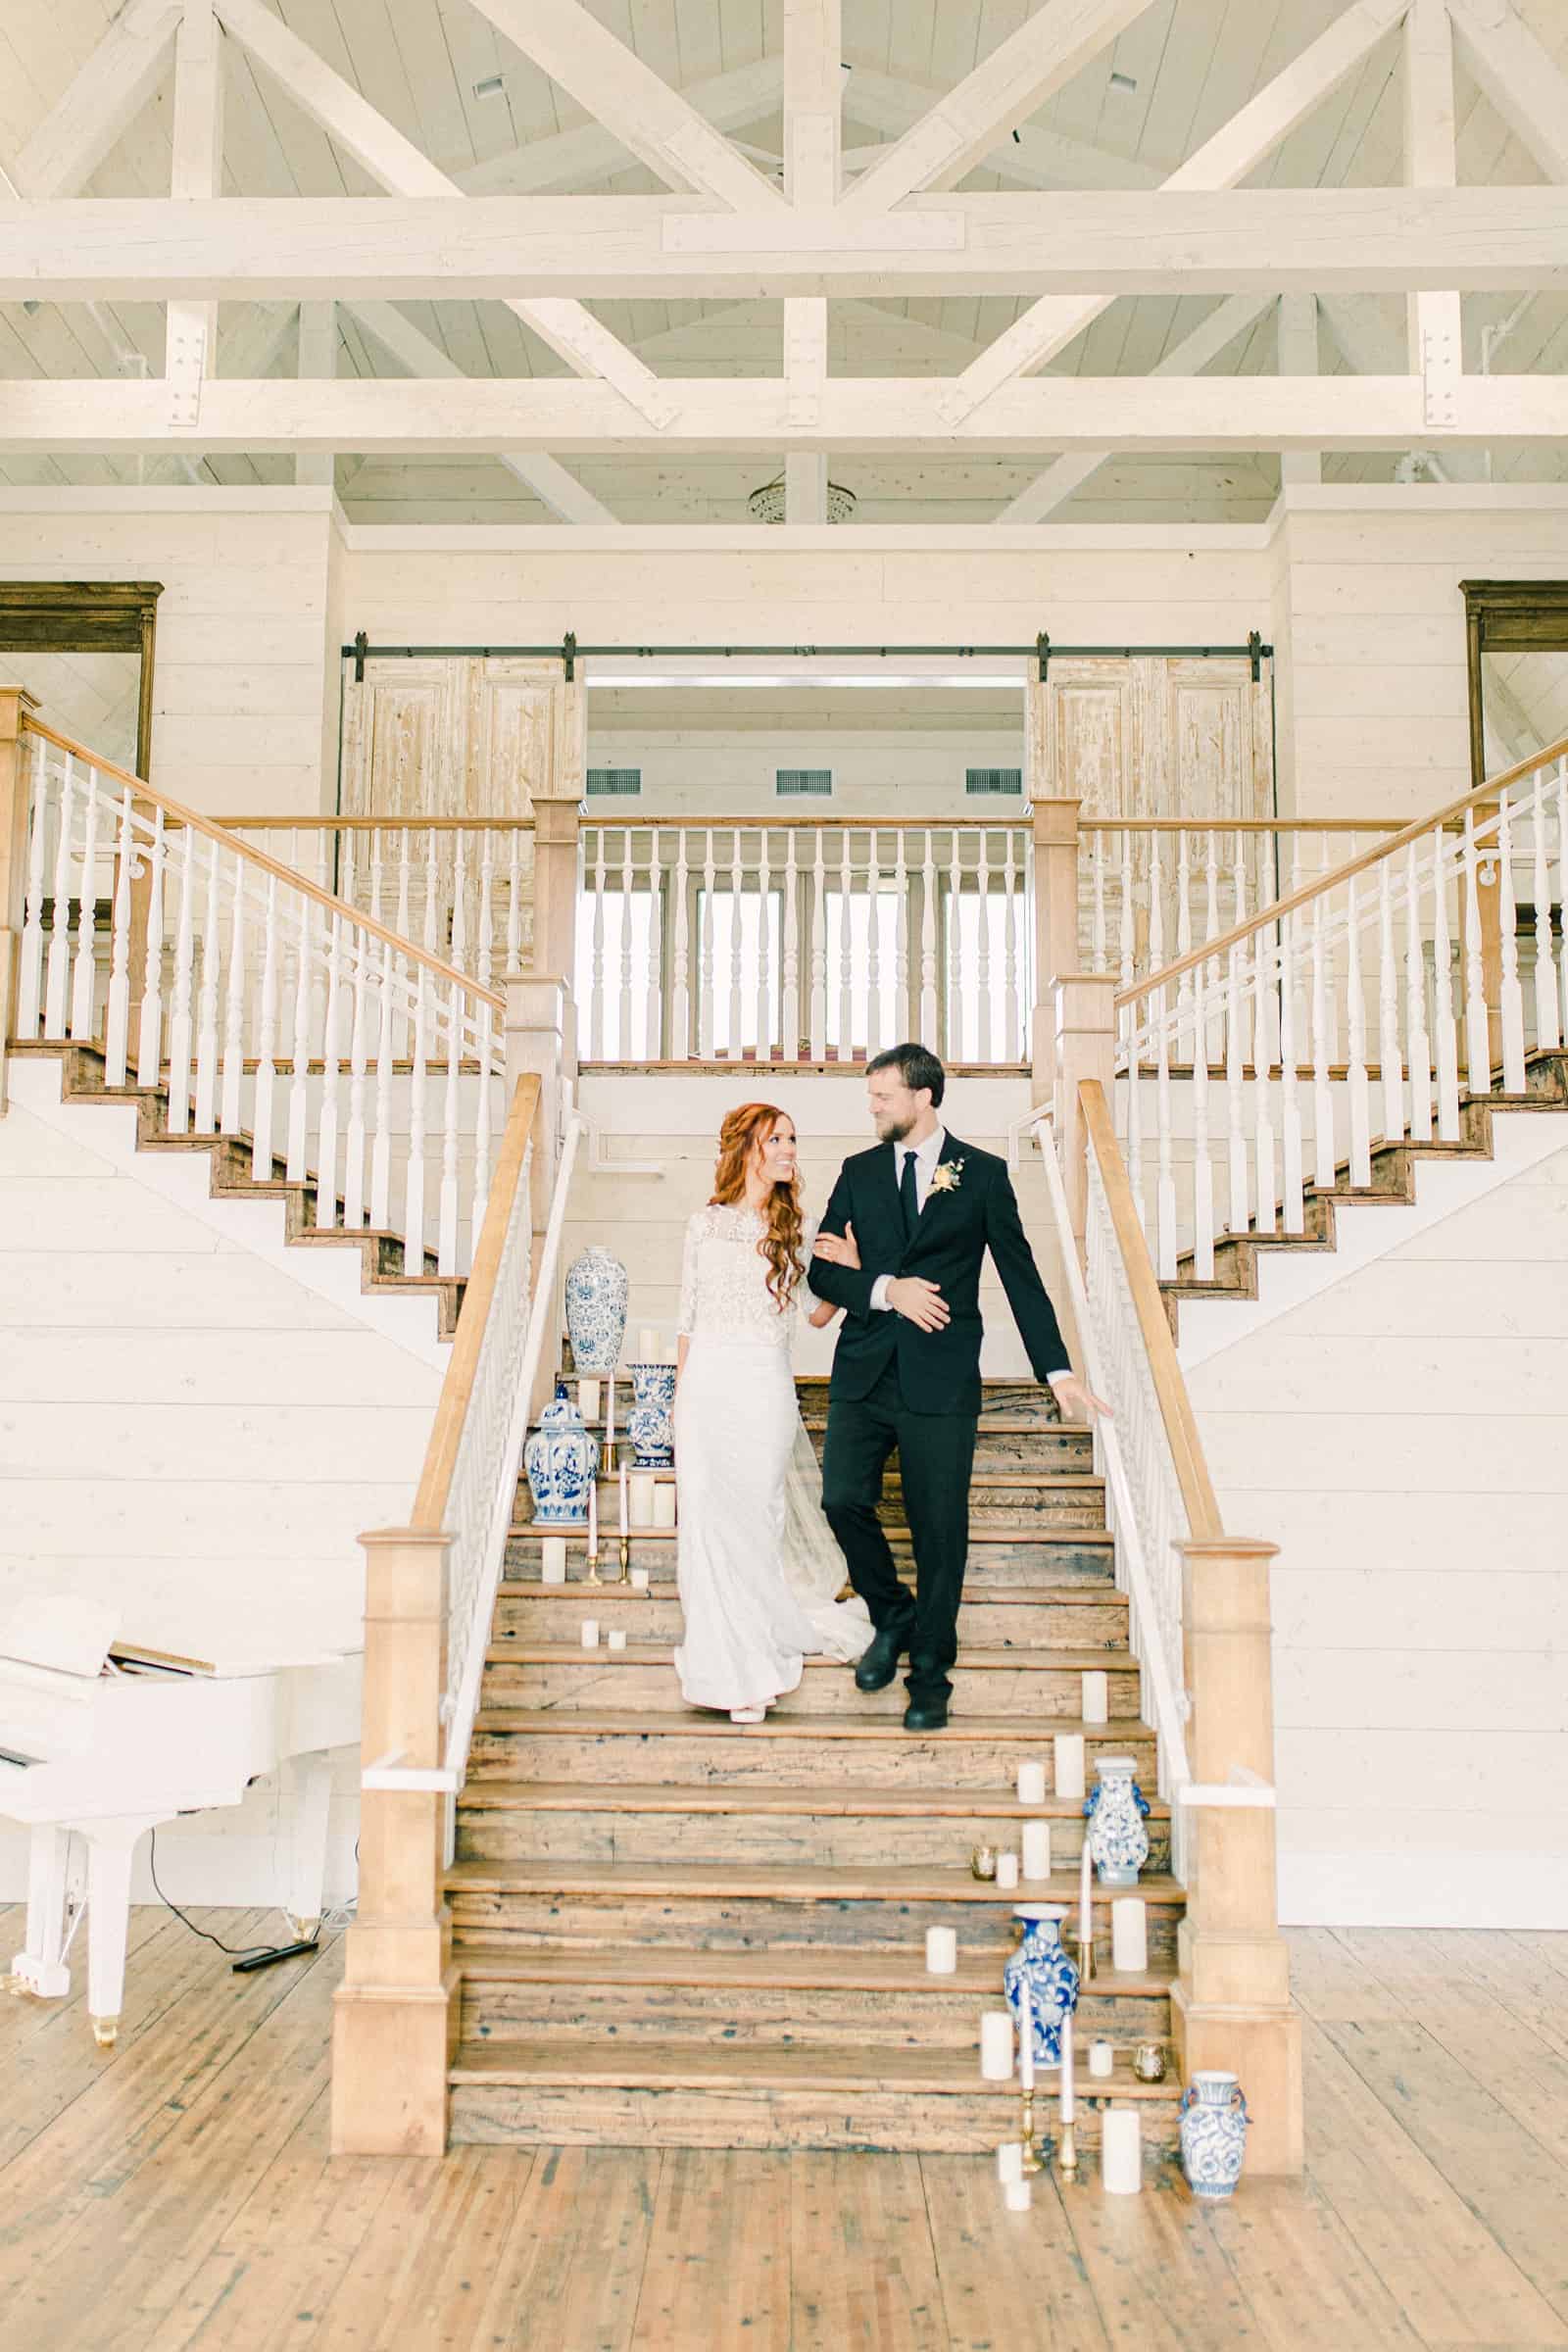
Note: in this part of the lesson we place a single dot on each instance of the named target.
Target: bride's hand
(839, 1250)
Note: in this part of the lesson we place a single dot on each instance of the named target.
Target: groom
(924, 1210)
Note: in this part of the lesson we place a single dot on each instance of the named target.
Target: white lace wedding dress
(756, 1564)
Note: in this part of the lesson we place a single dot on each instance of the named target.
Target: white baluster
(401, 926)
(1293, 1215)
(1478, 1044)
(1184, 936)
(355, 1134)
(385, 978)
(447, 1214)
(414, 1184)
(1127, 958)
(1097, 879)
(514, 840)
(331, 1054)
(873, 945)
(766, 976)
(1262, 1081)
(1392, 1075)
(706, 999)
(900, 939)
(460, 901)
(232, 1119)
(1015, 1045)
(433, 890)
(680, 1010)
(150, 1024)
(29, 973)
(1549, 1033)
(84, 971)
(929, 887)
(266, 1043)
(181, 984)
(1323, 1160)
(486, 959)
(1202, 1163)
(846, 1037)
(1165, 1198)
(348, 864)
(299, 1076)
(627, 1046)
(1448, 1039)
(1138, 1015)
(1157, 906)
(954, 972)
(207, 1008)
(1213, 1037)
(57, 975)
(117, 1028)
(1238, 1215)
(485, 1083)
(1419, 1051)
(1560, 797)
(1512, 994)
(1360, 1098)
(982, 912)
(789, 1033)
(377, 875)
(1238, 876)
(596, 978)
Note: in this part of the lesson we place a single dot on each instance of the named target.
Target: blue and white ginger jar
(597, 1292)
(1115, 1813)
(561, 1460)
(1215, 2121)
(1040, 1963)
(651, 1423)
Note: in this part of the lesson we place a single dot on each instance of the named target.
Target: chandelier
(768, 504)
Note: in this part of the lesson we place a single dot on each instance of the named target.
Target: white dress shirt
(925, 1154)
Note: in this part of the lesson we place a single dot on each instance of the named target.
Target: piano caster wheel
(106, 2031)
(303, 1930)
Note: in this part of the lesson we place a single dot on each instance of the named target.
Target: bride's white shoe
(747, 1714)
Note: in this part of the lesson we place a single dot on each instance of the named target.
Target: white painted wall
(1403, 1437)
(196, 1422)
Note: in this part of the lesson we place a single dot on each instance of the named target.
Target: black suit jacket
(939, 1371)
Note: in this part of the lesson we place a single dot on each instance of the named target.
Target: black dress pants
(936, 1455)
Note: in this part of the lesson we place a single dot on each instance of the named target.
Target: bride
(757, 1567)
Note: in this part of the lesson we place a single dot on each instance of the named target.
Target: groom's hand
(919, 1302)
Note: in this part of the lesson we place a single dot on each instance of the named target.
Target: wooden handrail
(380, 824)
(1088, 823)
(457, 1389)
(195, 823)
(1170, 1387)
(1478, 796)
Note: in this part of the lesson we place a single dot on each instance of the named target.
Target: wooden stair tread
(519, 1653)
(759, 2065)
(989, 1596)
(749, 1796)
(577, 1723)
(990, 1482)
(1066, 1537)
(766, 1968)
(877, 1883)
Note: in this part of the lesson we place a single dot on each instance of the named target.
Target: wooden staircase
(672, 1930)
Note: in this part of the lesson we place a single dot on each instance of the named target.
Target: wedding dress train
(756, 1565)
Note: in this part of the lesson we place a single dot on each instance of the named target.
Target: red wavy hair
(742, 1130)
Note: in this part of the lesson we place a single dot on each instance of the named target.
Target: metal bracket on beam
(185, 366)
(1440, 369)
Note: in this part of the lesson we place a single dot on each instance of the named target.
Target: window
(615, 783)
(994, 779)
(797, 783)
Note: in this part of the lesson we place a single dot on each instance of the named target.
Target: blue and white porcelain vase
(597, 1292)
(561, 1460)
(1215, 2121)
(1040, 1964)
(1115, 1813)
(651, 1423)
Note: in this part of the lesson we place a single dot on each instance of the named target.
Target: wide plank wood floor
(177, 2195)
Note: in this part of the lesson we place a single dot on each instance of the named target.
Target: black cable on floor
(234, 1950)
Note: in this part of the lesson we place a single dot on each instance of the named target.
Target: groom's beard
(889, 1130)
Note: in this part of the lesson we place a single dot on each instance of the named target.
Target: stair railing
(430, 1591)
(1355, 1011)
(272, 1010)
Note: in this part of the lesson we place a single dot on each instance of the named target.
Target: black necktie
(909, 1198)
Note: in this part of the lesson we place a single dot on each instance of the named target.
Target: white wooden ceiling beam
(103, 99)
(1026, 152)
(190, 341)
(813, 166)
(317, 357)
(576, 158)
(1523, 80)
(1007, 87)
(805, 486)
(1103, 242)
(1050, 413)
(611, 83)
(1190, 357)
(401, 168)
(1237, 148)
(1298, 354)
(536, 469)
(1433, 319)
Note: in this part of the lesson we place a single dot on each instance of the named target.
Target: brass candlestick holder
(1067, 2153)
(1086, 1957)
(1032, 2161)
(624, 1578)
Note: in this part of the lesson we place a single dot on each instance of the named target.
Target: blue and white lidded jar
(597, 1292)
(1115, 1813)
(562, 1461)
(651, 1423)
(1215, 2121)
(1041, 1966)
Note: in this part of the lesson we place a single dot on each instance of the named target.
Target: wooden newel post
(15, 703)
(538, 1025)
(1056, 849)
(1083, 1047)
(1231, 2003)
(558, 805)
(395, 2015)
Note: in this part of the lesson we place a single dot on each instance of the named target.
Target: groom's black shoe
(880, 1662)
(926, 1715)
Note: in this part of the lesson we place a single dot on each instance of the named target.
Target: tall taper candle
(625, 1510)
(593, 1520)
(610, 1423)
(1026, 2034)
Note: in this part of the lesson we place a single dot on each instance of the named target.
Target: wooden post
(1084, 1047)
(15, 704)
(395, 2015)
(537, 1025)
(557, 825)
(1231, 2003)
(1056, 845)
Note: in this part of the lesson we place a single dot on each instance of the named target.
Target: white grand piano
(120, 1711)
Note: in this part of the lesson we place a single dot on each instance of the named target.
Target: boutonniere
(946, 1175)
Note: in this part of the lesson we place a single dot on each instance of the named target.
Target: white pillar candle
(647, 1345)
(609, 1422)
(553, 1560)
(1036, 1842)
(996, 2045)
(641, 1490)
(1086, 1909)
(588, 1401)
(1008, 1873)
(590, 1632)
(1069, 1747)
(639, 1580)
(1102, 2060)
(1129, 1936)
(1010, 2161)
(1031, 1784)
(617, 1637)
(665, 1502)
(941, 1951)
(1019, 2195)
(1121, 2162)
(1069, 2105)
(1096, 1696)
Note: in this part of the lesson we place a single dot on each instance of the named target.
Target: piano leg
(110, 1847)
(308, 1792)
(56, 1872)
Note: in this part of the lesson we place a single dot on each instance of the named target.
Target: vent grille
(994, 779)
(796, 783)
(615, 783)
